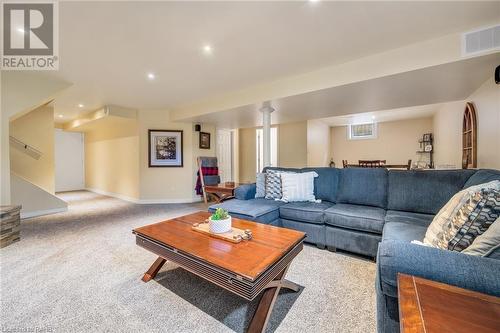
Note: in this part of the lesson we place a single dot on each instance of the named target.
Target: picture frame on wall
(165, 148)
(204, 140)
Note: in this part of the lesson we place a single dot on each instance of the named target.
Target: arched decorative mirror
(469, 137)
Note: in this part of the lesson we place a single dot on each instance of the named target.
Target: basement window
(362, 131)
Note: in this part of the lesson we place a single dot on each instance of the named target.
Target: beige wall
(318, 143)
(247, 150)
(292, 149)
(448, 127)
(396, 142)
(112, 157)
(21, 92)
(292, 145)
(36, 129)
(170, 184)
(116, 159)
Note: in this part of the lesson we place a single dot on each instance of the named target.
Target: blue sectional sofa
(377, 213)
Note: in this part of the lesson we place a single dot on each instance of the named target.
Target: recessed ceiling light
(207, 49)
(60, 116)
(151, 76)
(313, 0)
(373, 117)
(80, 105)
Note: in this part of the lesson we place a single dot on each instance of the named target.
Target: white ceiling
(432, 85)
(107, 48)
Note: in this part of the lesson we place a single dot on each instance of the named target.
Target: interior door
(225, 154)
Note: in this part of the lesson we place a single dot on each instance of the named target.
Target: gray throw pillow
(487, 243)
(273, 185)
(260, 185)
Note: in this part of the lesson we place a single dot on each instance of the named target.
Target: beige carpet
(80, 271)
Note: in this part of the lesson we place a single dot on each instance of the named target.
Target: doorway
(224, 154)
(69, 160)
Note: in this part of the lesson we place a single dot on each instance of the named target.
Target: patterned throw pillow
(260, 185)
(298, 186)
(273, 184)
(448, 221)
(486, 211)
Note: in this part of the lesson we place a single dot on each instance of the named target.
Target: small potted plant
(220, 221)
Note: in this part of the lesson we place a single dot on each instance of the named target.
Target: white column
(266, 132)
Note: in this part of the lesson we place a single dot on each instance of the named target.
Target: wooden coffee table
(247, 269)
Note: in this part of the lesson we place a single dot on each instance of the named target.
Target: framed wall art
(165, 148)
(204, 140)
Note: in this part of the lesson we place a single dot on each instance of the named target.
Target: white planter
(219, 226)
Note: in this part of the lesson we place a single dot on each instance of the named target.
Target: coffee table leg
(153, 270)
(266, 304)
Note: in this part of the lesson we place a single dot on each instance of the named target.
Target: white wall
(35, 200)
(69, 161)
(448, 128)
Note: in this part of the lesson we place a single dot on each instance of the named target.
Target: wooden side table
(426, 306)
(222, 191)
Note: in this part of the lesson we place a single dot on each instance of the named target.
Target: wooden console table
(222, 191)
(426, 307)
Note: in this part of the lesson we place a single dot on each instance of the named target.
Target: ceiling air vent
(481, 41)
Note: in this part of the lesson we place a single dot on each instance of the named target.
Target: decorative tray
(234, 236)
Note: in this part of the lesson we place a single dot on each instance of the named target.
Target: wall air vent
(481, 41)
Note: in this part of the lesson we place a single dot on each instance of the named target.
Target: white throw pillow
(451, 217)
(298, 186)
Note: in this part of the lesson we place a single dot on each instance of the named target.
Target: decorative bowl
(219, 226)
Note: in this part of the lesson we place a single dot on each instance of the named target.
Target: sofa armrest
(245, 192)
(465, 271)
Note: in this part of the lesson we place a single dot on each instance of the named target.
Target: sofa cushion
(363, 186)
(326, 185)
(482, 176)
(486, 244)
(424, 191)
(408, 217)
(260, 210)
(245, 191)
(356, 217)
(404, 232)
(310, 212)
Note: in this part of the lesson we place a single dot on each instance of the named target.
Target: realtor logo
(30, 36)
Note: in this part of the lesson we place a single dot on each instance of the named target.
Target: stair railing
(24, 147)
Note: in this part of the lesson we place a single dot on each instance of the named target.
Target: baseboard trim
(37, 213)
(143, 201)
